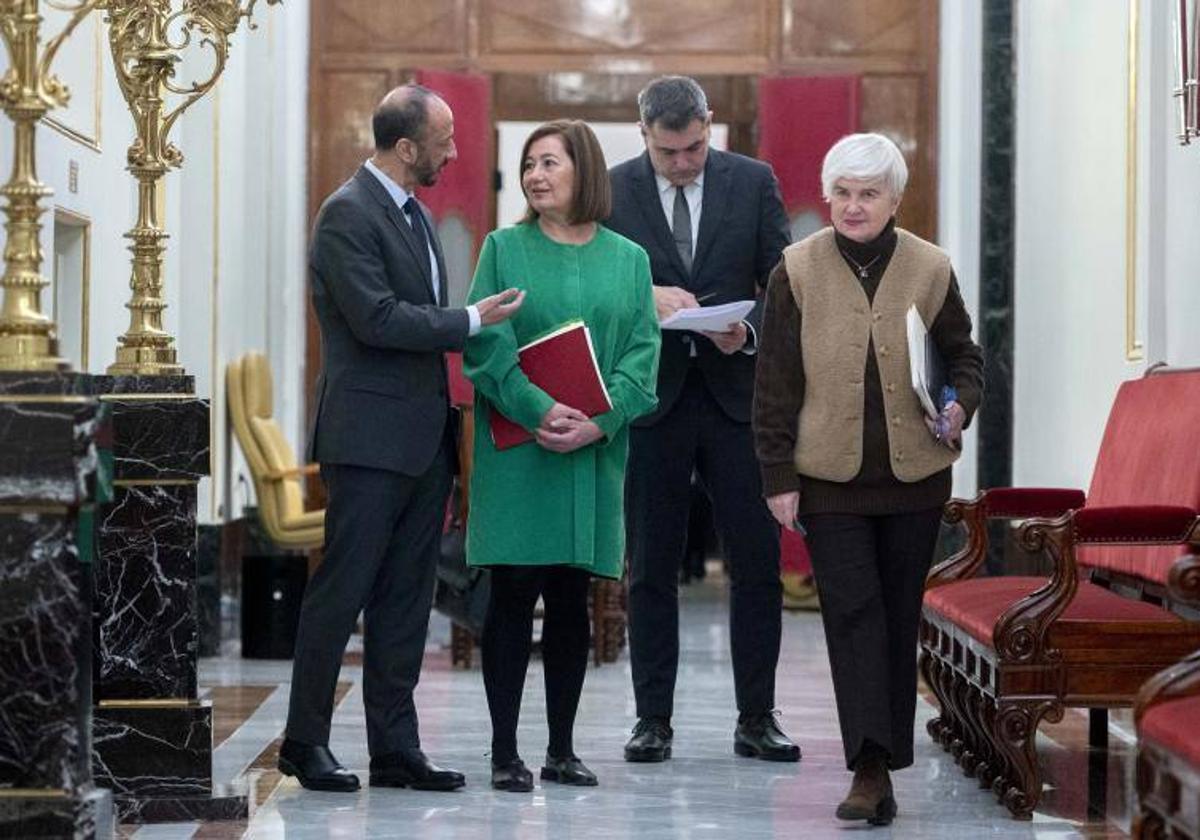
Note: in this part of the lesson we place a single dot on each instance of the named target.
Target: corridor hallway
(703, 792)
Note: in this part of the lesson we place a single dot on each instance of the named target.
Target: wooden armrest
(1136, 525)
(1026, 502)
(995, 503)
(292, 472)
(1021, 631)
(1183, 581)
(1180, 680)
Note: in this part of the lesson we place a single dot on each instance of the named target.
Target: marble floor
(703, 792)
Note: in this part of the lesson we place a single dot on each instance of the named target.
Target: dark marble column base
(86, 817)
(226, 803)
(153, 748)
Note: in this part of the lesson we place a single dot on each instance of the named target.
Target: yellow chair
(277, 477)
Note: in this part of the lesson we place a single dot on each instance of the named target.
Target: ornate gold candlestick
(147, 37)
(28, 340)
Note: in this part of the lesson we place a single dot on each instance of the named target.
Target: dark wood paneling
(413, 26)
(646, 27)
(344, 114)
(588, 59)
(869, 29)
(894, 106)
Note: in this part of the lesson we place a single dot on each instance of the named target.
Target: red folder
(563, 364)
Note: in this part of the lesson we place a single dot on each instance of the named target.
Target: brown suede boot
(870, 797)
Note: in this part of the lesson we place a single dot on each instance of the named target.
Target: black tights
(507, 633)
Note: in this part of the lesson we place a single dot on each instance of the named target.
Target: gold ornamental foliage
(148, 39)
(28, 90)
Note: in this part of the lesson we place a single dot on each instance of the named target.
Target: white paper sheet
(717, 318)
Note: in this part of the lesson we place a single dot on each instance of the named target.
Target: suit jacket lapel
(714, 206)
(650, 203)
(396, 217)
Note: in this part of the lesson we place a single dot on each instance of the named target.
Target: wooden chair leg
(1016, 736)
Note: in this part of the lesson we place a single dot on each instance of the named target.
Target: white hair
(864, 157)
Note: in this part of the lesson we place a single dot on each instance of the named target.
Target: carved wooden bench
(1167, 714)
(1002, 654)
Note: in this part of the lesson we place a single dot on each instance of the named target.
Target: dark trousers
(870, 574)
(696, 433)
(507, 638)
(382, 533)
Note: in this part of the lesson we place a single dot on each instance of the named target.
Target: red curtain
(799, 118)
(464, 189)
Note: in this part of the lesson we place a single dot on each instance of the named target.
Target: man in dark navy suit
(714, 226)
(384, 437)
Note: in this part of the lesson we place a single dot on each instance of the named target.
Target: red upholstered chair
(1167, 715)
(1002, 654)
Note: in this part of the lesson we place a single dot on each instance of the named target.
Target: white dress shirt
(400, 196)
(693, 192)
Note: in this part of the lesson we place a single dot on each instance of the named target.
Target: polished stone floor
(703, 792)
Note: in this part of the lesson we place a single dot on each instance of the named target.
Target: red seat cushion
(1175, 725)
(1150, 455)
(976, 604)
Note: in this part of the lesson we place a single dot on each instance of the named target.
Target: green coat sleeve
(490, 358)
(631, 383)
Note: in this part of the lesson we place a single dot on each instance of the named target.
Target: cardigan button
(877, 316)
(899, 456)
(896, 420)
(891, 386)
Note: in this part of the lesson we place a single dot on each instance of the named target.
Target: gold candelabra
(28, 339)
(147, 38)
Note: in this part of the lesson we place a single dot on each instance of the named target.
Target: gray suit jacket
(743, 231)
(382, 398)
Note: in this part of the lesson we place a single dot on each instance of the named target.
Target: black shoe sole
(288, 769)
(747, 751)
(513, 786)
(549, 774)
(648, 757)
(394, 782)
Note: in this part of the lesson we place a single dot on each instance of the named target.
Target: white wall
(959, 155)
(236, 213)
(1073, 165)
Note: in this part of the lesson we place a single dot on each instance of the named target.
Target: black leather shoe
(759, 736)
(651, 740)
(411, 769)
(513, 776)
(315, 767)
(568, 771)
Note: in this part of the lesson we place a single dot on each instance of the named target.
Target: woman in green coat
(546, 515)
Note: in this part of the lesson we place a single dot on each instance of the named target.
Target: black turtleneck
(779, 393)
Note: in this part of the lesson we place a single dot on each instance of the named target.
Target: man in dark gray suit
(384, 437)
(714, 226)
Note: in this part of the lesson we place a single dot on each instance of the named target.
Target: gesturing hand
(500, 306)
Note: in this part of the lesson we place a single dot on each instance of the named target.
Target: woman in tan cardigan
(847, 454)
